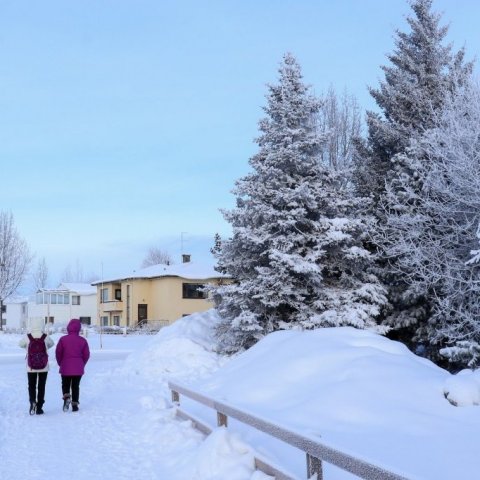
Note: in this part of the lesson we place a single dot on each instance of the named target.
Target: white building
(15, 313)
(60, 305)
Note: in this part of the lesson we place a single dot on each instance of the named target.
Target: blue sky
(125, 123)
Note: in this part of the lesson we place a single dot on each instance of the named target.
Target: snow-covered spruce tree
(422, 74)
(294, 254)
(433, 246)
(422, 71)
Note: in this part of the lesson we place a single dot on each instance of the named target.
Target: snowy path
(122, 431)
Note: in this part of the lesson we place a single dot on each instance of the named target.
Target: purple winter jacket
(72, 351)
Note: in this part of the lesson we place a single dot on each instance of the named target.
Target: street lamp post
(2, 273)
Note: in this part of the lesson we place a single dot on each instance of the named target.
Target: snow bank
(463, 389)
(355, 390)
(223, 455)
(184, 350)
(9, 341)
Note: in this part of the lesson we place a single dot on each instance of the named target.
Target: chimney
(185, 258)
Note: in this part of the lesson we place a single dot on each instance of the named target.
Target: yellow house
(158, 294)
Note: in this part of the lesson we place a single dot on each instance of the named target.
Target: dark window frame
(193, 291)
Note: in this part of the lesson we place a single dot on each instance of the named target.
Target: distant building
(15, 313)
(157, 294)
(67, 301)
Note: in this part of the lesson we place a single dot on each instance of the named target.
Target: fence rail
(316, 452)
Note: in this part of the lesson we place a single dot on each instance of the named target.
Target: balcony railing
(112, 306)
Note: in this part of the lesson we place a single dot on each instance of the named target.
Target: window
(75, 299)
(104, 321)
(118, 294)
(53, 298)
(116, 320)
(193, 290)
(49, 320)
(104, 295)
(85, 320)
(4, 308)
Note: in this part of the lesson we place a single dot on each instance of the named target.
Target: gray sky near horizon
(124, 124)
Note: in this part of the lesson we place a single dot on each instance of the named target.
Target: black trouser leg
(42, 380)
(76, 388)
(66, 384)
(71, 382)
(32, 386)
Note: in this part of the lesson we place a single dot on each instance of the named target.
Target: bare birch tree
(77, 275)
(15, 259)
(40, 276)
(340, 121)
(156, 256)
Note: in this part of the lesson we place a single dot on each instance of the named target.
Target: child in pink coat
(72, 354)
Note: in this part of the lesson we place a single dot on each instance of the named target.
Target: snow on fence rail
(315, 451)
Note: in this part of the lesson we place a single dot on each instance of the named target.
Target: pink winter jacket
(72, 351)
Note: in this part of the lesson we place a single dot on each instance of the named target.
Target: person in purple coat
(72, 354)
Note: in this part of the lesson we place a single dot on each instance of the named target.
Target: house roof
(80, 288)
(188, 270)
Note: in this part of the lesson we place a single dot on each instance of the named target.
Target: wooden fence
(316, 452)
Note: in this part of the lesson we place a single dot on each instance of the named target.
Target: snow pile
(223, 455)
(463, 389)
(9, 341)
(355, 390)
(184, 350)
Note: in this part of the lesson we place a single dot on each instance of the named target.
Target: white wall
(16, 315)
(62, 314)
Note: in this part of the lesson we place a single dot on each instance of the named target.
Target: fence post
(175, 397)
(222, 420)
(314, 466)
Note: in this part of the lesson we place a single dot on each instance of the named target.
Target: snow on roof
(80, 288)
(188, 270)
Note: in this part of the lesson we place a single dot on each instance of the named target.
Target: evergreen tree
(217, 244)
(423, 73)
(433, 246)
(295, 255)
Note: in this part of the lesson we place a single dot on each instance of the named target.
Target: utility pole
(2, 281)
(100, 308)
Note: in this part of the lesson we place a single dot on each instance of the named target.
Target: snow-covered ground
(352, 389)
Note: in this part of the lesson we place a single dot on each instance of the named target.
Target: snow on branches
(296, 253)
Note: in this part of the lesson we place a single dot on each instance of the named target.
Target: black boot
(33, 408)
(66, 402)
(39, 409)
(74, 406)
